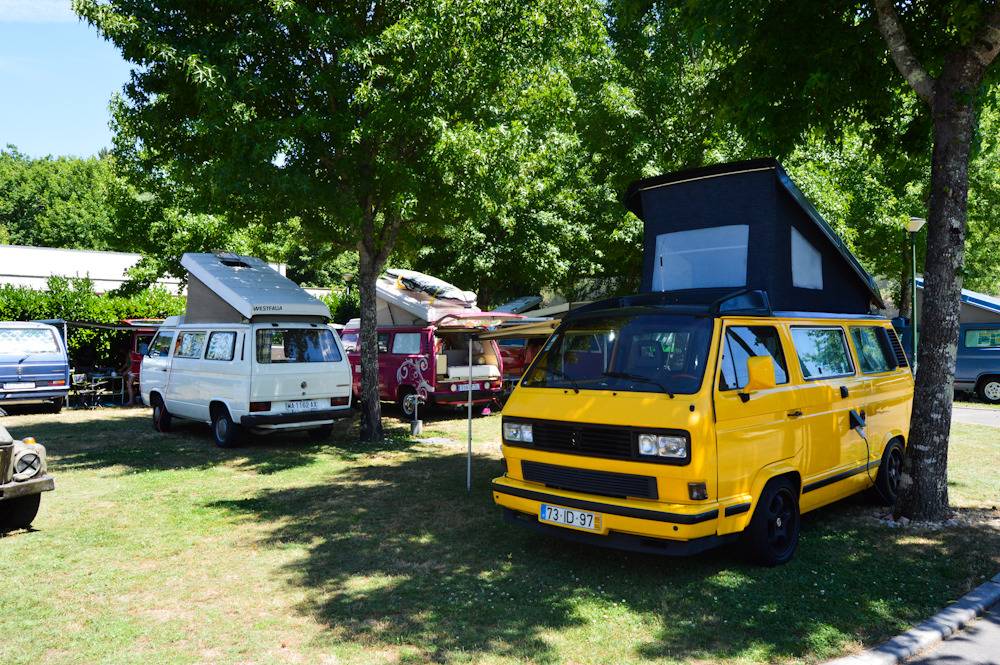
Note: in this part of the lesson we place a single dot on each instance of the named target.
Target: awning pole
(468, 460)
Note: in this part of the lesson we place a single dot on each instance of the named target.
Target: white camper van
(253, 352)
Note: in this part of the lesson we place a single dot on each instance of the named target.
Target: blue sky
(56, 78)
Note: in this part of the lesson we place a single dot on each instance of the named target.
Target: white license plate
(302, 405)
(580, 519)
(19, 386)
(466, 387)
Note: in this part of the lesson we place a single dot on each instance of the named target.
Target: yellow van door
(831, 453)
(756, 428)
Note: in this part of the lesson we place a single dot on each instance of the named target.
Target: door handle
(844, 392)
(795, 414)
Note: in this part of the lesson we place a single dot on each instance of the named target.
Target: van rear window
(296, 345)
(27, 340)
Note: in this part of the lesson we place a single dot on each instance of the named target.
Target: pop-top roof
(247, 285)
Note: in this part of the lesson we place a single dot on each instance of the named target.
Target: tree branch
(986, 45)
(899, 49)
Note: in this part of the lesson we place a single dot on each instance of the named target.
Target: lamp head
(915, 224)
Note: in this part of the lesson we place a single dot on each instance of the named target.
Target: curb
(932, 631)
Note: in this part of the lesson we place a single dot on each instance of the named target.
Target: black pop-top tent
(713, 231)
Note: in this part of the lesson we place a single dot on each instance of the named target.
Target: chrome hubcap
(992, 390)
(220, 428)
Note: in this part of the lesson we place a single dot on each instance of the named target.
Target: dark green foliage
(75, 300)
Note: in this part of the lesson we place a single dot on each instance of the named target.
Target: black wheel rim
(781, 523)
(893, 469)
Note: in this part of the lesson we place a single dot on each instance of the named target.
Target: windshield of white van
(296, 345)
(27, 340)
(630, 352)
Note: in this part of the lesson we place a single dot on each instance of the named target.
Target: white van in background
(252, 353)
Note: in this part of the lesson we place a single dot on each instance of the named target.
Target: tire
(405, 405)
(162, 420)
(890, 470)
(773, 533)
(56, 405)
(225, 432)
(320, 433)
(19, 513)
(989, 389)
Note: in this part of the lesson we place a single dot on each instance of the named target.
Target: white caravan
(253, 352)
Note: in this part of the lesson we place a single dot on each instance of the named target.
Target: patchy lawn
(161, 548)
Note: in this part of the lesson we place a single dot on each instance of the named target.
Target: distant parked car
(23, 478)
(977, 367)
(34, 368)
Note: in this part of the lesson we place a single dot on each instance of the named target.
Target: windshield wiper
(572, 382)
(639, 377)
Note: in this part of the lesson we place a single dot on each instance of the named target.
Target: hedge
(74, 300)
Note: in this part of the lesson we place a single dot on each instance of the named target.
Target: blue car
(978, 365)
(34, 368)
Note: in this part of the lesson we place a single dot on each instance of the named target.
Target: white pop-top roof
(251, 286)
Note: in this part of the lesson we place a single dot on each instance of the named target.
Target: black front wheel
(773, 533)
(19, 513)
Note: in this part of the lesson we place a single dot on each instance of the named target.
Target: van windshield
(296, 345)
(27, 340)
(646, 352)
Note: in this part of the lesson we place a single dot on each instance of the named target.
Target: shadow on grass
(399, 555)
(93, 440)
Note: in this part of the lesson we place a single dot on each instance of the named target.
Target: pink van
(431, 361)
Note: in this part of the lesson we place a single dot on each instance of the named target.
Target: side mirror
(760, 373)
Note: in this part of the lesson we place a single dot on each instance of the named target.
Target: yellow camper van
(670, 428)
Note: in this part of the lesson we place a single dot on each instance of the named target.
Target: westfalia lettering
(267, 308)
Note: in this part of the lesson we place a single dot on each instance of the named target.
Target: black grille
(592, 482)
(897, 349)
(614, 442)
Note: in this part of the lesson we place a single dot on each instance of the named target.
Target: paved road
(989, 417)
(978, 644)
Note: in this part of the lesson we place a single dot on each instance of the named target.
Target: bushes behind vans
(75, 300)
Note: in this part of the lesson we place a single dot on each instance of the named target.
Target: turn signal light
(697, 491)
(339, 401)
(259, 406)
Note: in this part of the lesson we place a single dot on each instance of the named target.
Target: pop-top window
(982, 339)
(27, 340)
(807, 263)
(296, 345)
(701, 258)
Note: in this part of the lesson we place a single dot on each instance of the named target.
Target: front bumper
(460, 397)
(643, 519)
(323, 417)
(12, 490)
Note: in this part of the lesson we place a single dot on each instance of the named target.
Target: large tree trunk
(924, 487)
(371, 408)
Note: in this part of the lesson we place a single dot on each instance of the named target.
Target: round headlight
(27, 465)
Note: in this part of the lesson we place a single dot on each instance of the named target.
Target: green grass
(165, 549)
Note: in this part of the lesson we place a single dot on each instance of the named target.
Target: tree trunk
(371, 409)
(905, 280)
(924, 486)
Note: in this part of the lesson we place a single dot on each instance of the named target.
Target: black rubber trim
(738, 509)
(286, 418)
(843, 475)
(638, 513)
(621, 541)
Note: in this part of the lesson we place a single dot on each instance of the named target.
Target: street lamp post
(913, 227)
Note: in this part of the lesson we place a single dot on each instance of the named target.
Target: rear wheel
(161, 417)
(989, 390)
(225, 432)
(56, 405)
(773, 533)
(406, 403)
(19, 513)
(890, 471)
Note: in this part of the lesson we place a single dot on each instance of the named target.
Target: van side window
(221, 346)
(160, 347)
(870, 345)
(822, 352)
(189, 345)
(383, 342)
(350, 342)
(406, 343)
(744, 342)
(982, 339)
